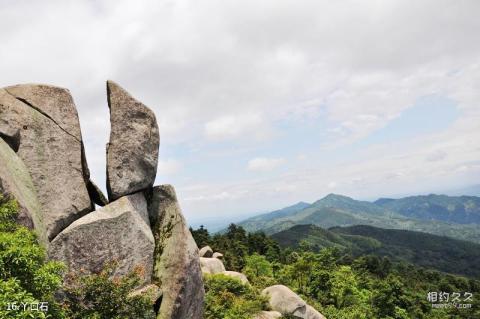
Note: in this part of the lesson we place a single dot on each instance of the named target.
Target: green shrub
(25, 276)
(101, 296)
(229, 298)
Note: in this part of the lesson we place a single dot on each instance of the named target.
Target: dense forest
(335, 282)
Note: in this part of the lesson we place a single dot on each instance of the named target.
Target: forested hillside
(422, 249)
(338, 284)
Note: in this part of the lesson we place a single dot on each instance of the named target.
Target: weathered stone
(268, 315)
(15, 181)
(311, 313)
(49, 143)
(217, 255)
(117, 232)
(283, 300)
(177, 267)
(152, 291)
(132, 153)
(237, 275)
(206, 252)
(211, 265)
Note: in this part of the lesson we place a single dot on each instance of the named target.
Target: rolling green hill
(426, 250)
(461, 209)
(336, 210)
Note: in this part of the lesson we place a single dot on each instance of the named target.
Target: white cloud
(230, 126)
(264, 164)
(168, 167)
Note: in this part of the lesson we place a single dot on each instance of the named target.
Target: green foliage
(229, 298)
(341, 285)
(98, 296)
(25, 275)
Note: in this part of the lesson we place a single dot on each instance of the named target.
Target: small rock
(217, 255)
(268, 315)
(206, 252)
(283, 300)
(211, 265)
(132, 152)
(237, 275)
(117, 232)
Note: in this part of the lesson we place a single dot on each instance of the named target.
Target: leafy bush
(229, 298)
(98, 296)
(26, 277)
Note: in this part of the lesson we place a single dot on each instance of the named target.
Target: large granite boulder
(211, 265)
(15, 181)
(283, 300)
(177, 268)
(118, 232)
(41, 124)
(132, 152)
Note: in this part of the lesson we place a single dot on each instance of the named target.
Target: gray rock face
(177, 267)
(117, 232)
(15, 181)
(268, 315)
(237, 275)
(283, 300)
(311, 313)
(153, 292)
(42, 124)
(211, 265)
(132, 153)
(206, 252)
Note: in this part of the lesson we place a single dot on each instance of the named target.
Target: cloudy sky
(265, 103)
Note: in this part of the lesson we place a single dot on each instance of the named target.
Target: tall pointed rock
(132, 152)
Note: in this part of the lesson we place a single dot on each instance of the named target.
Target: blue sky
(264, 104)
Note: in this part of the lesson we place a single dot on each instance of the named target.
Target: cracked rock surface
(49, 143)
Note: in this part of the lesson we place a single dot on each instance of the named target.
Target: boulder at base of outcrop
(42, 125)
(283, 300)
(15, 181)
(311, 313)
(206, 252)
(268, 315)
(217, 255)
(177, 267)
(211, 265)
(237, 275)
(116, 233)
(132, 152)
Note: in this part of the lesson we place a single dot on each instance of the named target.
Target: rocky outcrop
(132, 152)
(41, 123)
(211, 265)
(285, 301)
(206, 252)
(268, 315)
(15, 181)
(237, 275)
(177, 267)
(152, 291)
(117, 232)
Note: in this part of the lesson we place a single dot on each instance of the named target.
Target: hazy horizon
(264, 104)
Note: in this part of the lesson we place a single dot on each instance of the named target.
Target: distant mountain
(259, 222)
(337, 210)
(426, 250)
(458, 209)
